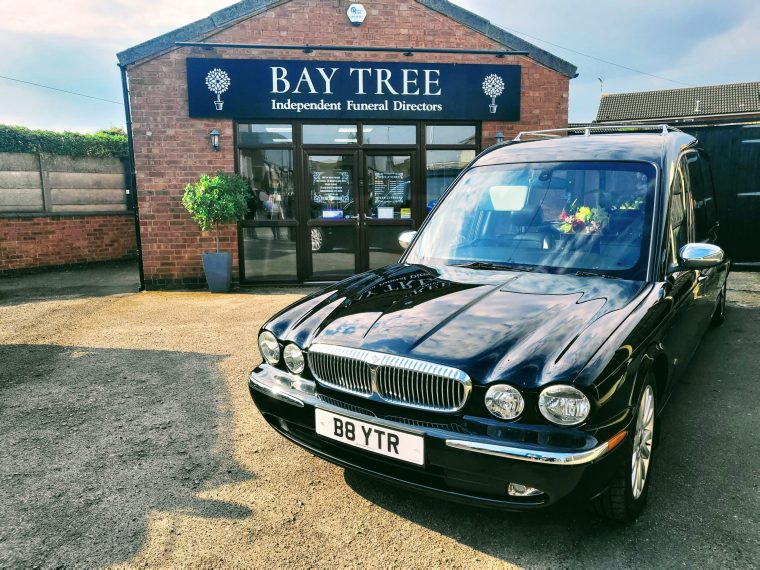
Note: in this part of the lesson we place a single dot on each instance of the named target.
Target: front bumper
(464, 467)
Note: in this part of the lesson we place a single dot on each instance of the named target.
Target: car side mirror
(405, 239)
(700, 256)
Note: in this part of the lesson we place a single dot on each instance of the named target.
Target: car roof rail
(586, 130)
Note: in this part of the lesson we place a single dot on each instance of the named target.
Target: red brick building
(349, 128)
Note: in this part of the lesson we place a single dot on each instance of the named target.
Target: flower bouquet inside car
(583, 220)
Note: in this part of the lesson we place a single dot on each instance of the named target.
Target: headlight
(293, 357)
(269, 347)
(564, 405)
(504, 401)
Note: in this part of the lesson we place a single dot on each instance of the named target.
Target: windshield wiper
(593, 274)
(491, 266)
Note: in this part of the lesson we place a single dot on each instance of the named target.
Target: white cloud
(699, 42)
(72, 44)
(42, 109)
(116, 22)
(728, 57)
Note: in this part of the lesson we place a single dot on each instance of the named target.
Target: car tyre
(719, 316)
(626, 496)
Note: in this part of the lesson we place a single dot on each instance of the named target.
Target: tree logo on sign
(218, 82)
(493, 86)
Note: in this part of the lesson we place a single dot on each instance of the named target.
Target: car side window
(709, 199)
(700, 182)
(681, 232)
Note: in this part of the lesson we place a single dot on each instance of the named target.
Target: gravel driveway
(127, 437)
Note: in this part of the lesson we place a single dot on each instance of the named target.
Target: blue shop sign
(295, 89)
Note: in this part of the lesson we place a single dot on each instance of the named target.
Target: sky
(72, 45)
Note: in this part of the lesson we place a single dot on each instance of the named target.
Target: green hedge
(111, 142)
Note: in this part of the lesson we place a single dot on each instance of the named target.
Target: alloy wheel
(316, 239)
(642, 442)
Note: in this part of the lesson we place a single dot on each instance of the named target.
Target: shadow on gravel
(75, 282)
(704, 501)
(93, 440)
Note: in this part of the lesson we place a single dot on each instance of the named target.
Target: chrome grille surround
(398, 380)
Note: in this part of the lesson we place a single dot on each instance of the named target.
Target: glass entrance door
(333, 219)
(387, 206)
(359, 205)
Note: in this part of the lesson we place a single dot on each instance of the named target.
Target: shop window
(271, 174)
(389, 134)
(443, 165)
(330, 134)
(442, 168)
(250, 134)
(450, 135)
(269, 253)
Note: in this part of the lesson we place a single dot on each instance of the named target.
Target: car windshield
(587, 217)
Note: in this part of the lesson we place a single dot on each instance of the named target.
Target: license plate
(374, 438)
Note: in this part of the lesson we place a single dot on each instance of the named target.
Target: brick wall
(172, 150)
(46, 241)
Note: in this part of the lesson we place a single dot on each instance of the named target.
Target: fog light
(518, 490)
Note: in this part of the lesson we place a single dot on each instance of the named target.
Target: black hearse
(525, 345)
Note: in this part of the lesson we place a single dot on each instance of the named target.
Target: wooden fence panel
(20, 183)
(50, 183)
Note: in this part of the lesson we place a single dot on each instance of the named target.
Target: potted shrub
(214, 200)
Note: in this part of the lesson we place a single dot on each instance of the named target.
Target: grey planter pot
(218, 270)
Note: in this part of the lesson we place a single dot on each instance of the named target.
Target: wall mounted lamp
(499, 137)
(214, 139)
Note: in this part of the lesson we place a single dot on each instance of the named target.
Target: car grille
(345, 372)
(345, 406)
(395, 379)
(417, 423)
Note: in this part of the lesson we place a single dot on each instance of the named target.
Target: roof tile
(677, 103)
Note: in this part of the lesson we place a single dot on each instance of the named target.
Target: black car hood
(524, 328)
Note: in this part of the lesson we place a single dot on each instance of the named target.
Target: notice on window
(391, 188)
(333, 187)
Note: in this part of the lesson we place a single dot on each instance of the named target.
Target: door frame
(360, 194)
(300, 225)
(365, 222)
(305, 214)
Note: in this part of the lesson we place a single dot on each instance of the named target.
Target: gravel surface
(127, 437)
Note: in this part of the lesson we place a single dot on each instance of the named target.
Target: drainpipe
(132, 177)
